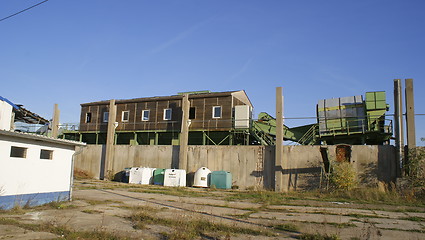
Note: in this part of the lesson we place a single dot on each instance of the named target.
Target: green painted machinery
(348, 120)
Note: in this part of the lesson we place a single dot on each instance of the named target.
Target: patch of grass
(357, 215)
(61, 230)
(288, 227)
(318, 236)
(341, 225)
(91, 211)
(99, 202)
(413, 219)
(187, 227)
(81, 174)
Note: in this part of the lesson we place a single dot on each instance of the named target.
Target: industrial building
(225, 118)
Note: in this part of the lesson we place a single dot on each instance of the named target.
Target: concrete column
(110, 140)
(410, 115)
(55, 122)
(281, 184)
(398, 123)
(184, 134)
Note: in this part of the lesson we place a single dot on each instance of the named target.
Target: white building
(34, 169)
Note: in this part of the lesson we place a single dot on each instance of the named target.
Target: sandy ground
(108, 209)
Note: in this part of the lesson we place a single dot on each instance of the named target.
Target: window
(105, 117)
(192, 113)
(145, 115)
(88, 117)
(125, 116)
(18, 152)
(216, 112)
(167, 114)
(46, 154)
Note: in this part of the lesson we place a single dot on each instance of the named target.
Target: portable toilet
(141, 175)
(201, 178)
(221, 179)
(175, 178)
(158, 176)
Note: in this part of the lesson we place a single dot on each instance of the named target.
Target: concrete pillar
(282, 180)
(398, 123)
(410, 115)
(55, 122)
(184, 134)
(110, 140)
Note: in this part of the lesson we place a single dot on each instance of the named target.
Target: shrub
(343, 176)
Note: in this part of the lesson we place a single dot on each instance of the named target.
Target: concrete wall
(251, 166)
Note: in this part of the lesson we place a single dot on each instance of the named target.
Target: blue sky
(72, 52)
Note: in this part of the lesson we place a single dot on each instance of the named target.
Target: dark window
(216, 112)
(18, 152)
(105, 116)
(192, 113)
(46, 154)
(125, 116)
(145, 115)
(88, 117)
(167, 114)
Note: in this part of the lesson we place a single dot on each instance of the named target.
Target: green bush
(343, 176)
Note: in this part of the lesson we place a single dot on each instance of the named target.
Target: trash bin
(141, 175)
(221, 179)
(201, 178)
(158, 176)
(175, 178)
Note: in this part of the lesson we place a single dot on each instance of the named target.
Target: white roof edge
(41, 138)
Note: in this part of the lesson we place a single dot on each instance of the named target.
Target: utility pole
(398, 123)
(410, 115)
(184, 134)
(281, 166)
(110, 140)
(55, 121)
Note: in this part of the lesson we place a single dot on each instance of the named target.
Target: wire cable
(26, 9)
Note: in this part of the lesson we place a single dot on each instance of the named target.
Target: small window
(145, 115)
(88, 117)
(105, 117)
(18, 152)
(125, 116)
(46, 154)
(217, 112)
(192, 113)
(167, 114)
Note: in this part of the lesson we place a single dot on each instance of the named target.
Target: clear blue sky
(72, 52)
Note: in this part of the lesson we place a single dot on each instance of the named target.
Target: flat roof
(41, 138)
(173, 97)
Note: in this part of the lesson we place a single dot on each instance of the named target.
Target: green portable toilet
(158, 176)
(221, 179)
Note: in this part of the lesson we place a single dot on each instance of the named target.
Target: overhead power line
(26, 9)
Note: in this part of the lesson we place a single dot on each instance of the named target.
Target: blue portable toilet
(221, 179)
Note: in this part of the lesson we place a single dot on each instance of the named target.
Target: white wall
(32, 174)
(5, 115)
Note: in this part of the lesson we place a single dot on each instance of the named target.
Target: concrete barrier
(251, 166)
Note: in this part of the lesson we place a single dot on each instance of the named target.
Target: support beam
(398, 123)
(410, 115)
(281, 166)
(110, 140)
(184, 134)
(55, 122)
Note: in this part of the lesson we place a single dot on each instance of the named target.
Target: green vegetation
(188, 227)
(62, 231)
(415, 173)
(317, 236)
(288, 227)
(343, 176)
